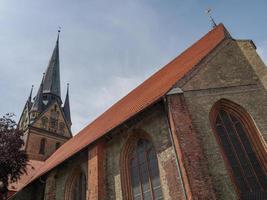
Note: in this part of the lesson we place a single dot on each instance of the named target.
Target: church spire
(66, 107)
(38, 101)
(30, 96)
(51, 83)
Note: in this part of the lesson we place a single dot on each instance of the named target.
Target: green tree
(13, 159)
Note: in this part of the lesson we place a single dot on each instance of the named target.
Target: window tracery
(78, 190)
(235, 134)
(140, 171)
(44, 122)
(76, 185)
(62, 127)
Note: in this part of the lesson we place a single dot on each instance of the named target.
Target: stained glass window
(144, 172)
(247, 171)
(78, 190)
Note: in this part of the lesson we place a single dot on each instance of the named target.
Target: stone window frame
(255, 137)
(53, 119)
(71, 180)
(57, 145)
(53, 123)
(42, 146)
(62, 127)
(44, 122)
(128, 147)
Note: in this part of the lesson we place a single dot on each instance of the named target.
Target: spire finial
(68, 85)
(58, 33)
(208, 12)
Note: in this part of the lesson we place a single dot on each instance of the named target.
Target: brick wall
(33, 144)
(196, 177)
(154, 123)
(50, 186)
(226, 73)
(96, 172)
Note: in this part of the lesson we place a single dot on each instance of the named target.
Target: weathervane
(208, 12)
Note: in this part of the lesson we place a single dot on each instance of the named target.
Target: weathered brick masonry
(152, 123)
(96, 172)
(191, 154)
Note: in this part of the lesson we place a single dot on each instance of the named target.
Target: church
(196, 129)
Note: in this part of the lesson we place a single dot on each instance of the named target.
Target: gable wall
(229, 75)
(60, 119)
(52, 136)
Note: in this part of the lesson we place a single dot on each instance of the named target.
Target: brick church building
(196, 129)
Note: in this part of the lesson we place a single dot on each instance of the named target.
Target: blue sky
(107, 47)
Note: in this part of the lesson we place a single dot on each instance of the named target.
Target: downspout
(166, 109)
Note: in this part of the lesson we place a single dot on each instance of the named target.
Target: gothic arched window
(235, 136)
(78, 187)
(54, 119)
(144, 172)
(57, 145)
(62, 127)
(42, 146)
(44, 122)
(140, 173)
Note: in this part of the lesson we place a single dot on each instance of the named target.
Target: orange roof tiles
(141, 97)
(31, 168)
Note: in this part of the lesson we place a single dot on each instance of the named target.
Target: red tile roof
(141, 97)
(32, 167)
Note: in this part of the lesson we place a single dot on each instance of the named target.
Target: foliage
(13, 159)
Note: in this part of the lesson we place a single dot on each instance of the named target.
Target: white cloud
(106, 49)
(93, 103)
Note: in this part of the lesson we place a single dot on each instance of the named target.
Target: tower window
(57, 145)
(61, 127)
(54, 119)
(53, 123)
(42, 146)
(44, 122)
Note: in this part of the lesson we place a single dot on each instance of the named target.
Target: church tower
(45, 120)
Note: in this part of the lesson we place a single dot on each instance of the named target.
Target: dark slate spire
(30, 96)
(66, 107)
(38, 101)
(52, 74)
